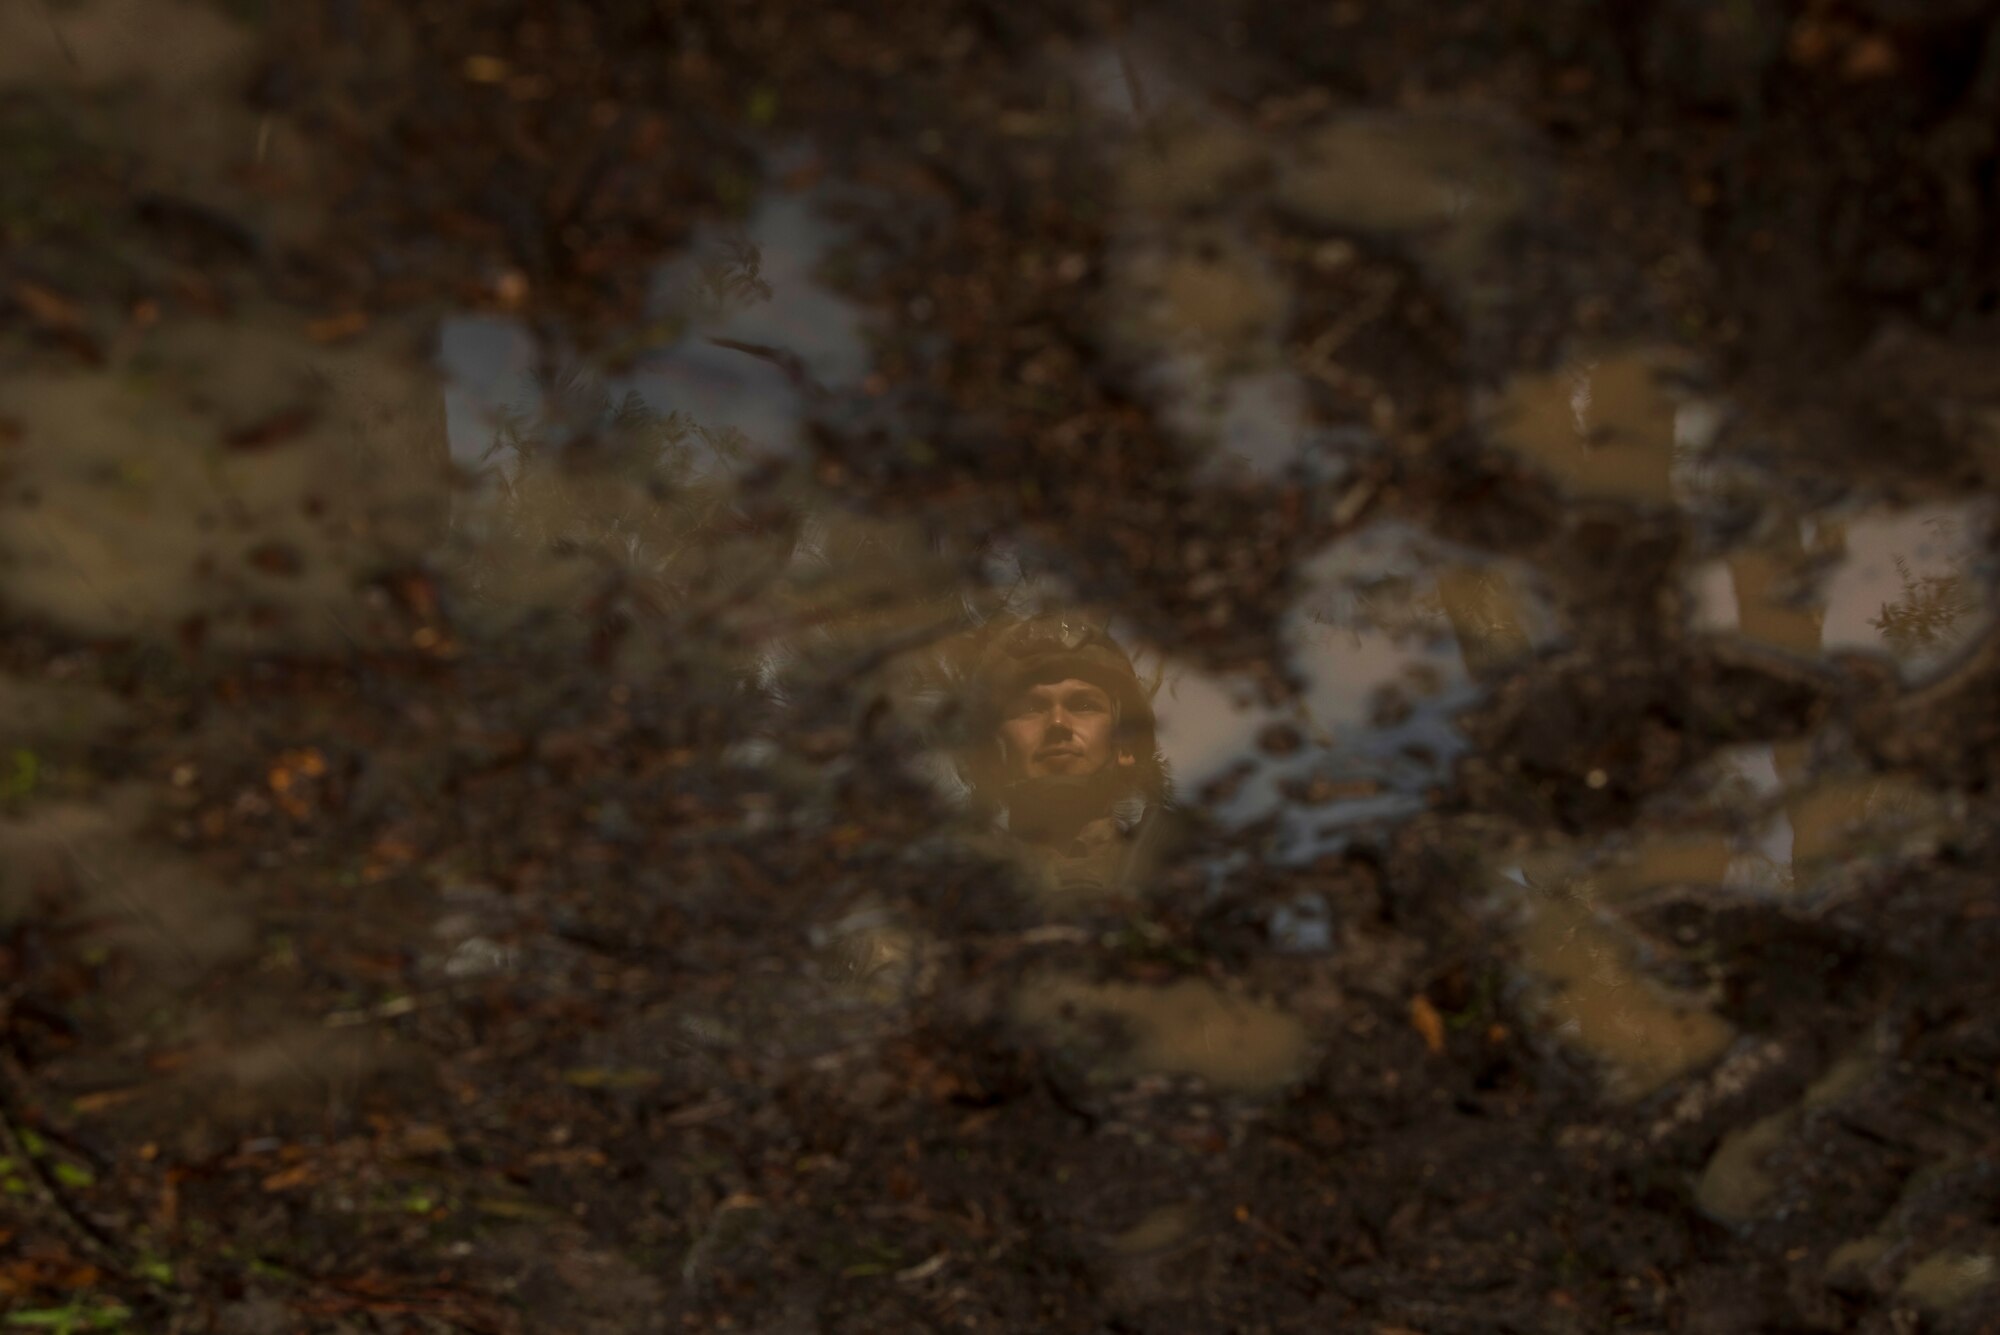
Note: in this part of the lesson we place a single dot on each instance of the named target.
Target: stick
(88, 1236)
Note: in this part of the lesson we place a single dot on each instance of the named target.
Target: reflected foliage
(1928, 615)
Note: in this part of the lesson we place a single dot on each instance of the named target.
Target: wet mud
(505, 516)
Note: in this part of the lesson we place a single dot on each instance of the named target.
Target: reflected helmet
(1008, 655)
(1022, 653)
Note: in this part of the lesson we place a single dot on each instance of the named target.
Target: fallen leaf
(48, 307)
(1809, 42)
(700, 1112)
(276, 558)
(605, 1077)
(298, 1175)
(269, 431)
(511, 288)
(390, 848)
(419, 595)
(504, 1208)
(104, 1098)
(1428, 1022)
(582, 1154)
(1871, 58)
(424, 1138)
(336, 328)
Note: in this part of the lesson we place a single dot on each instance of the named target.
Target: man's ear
(1127, 758)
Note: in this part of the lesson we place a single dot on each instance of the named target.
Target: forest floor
(431, 907)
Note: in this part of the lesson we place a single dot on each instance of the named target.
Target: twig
(393, 1008)
(341, 626)
(55, 30)
(93, 1240)
(790, 363)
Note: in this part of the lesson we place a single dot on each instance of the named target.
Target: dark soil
(457, 972)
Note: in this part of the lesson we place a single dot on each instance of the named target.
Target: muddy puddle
(1182, 1028)
(994, 670)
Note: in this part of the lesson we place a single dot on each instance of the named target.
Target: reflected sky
(749, 336)
(1911, 586)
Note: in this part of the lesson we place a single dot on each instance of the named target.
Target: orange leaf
(1809, 42)
(48, 307)
(391, 849)
(334, 328)
(105, 1098)
(265, 432)
(1427, 1021)
(423, 1138)
(170, 1061)
(1871, 58)
(298, 1175)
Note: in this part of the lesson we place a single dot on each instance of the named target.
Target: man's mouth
(1058, 753)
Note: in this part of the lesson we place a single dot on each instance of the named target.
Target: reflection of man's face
(1059, 729)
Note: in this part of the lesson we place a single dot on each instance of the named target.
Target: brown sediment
(1186, 1027)
(1594, 999)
